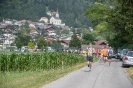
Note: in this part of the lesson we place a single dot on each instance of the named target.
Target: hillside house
(101, 42)
(44, 19)
(33, 33)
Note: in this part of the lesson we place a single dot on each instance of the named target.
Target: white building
(44, 19)
(55, 19)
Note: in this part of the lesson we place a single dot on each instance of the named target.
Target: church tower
(57, 14)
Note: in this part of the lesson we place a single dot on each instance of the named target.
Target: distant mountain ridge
(70, 11)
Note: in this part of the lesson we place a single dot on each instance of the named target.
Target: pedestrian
(105, 54)
(90, 51)
(110, 54)
(101, 54)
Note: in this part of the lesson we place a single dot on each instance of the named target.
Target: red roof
(101, 42)
(44, 17)
(33, 31)
(23, 21)
(65, 41)
(49, 39)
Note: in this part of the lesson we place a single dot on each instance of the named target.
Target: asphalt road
(101, 76)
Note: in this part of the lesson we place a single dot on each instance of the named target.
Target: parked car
(117, 55)
(123, 52)
(128, 59)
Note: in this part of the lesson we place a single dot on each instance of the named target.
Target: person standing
(105, 54)
(110, 54)
(90, 51)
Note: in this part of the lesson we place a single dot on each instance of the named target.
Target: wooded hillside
(70, 11)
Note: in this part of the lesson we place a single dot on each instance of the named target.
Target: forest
(70, 11)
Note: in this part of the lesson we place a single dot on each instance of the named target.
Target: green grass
(36, 79)
(130, 72)
(33, 79)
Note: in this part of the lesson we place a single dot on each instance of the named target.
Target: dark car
(118, 52)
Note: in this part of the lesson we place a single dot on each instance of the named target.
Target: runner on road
(105, 55)
(110, 53)
(101, 54)
(90, 56)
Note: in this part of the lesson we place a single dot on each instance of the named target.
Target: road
(101, 76)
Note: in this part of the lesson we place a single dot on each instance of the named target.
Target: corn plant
(37, 61)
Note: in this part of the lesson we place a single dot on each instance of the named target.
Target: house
(51, 33)
(3, 26)
(49, 39)
(8, 22)
(49, 29)
(94, 46)
(44, 19)
(32, 26)
(101, 42)
(65, 43)
(24, 21)
(66, 28)
(41, 26)
(97, 44)
(33, 33)
(7, 39)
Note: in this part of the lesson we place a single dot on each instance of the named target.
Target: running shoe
(89, 71)
(109, 65)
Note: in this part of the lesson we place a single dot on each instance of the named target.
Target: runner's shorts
(90, 58)
(109, 57)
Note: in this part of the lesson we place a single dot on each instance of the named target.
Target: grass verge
(130, 72)
(35, 79)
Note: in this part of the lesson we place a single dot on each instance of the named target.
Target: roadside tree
(75, 42)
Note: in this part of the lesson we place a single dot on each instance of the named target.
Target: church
(56, 20)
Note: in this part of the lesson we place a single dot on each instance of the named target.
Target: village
(10, 27)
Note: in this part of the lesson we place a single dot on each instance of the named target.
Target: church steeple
(57, 14)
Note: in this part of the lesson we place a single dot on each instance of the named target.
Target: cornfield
(37, 61)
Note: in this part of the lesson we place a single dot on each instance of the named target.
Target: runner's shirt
(105, 52)
(110, 52)
(99, 51)
(90, 52)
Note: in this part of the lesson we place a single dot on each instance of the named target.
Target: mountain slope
(70, 11)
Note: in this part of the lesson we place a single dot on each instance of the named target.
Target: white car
(123, 52)
(127, 60)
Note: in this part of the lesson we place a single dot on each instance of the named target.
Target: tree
(31, 45)
(21, 40)
(122, 20)
(75, 42)
(18, 43)
(70, 10)
(99, 13)
(65, 31)
(41, 43)
(88, 38)
(56, 45)
(114, 18)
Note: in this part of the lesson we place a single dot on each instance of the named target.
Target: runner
(105, 55)
(101, 55)
(110, 53)
(90, 56)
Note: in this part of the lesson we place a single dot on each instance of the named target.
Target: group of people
(104, 55)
